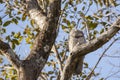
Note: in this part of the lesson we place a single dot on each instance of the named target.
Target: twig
(58, 58)
(86, 25)
(63, 57)
(92, 72)
(58, 76)
(112, 56)
(42, 77)
(84, 17)
(112, 75)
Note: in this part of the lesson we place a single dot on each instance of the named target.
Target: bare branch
(111, 75)
(58, 76)
(80, 50)
(58, 58)
(9, 53)
(64, 57)
(111, 56)
(42, 77)
(92, 72)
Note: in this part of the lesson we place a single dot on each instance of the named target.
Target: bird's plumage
(77, 37)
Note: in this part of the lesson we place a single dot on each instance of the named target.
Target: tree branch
(80, 50)
(9, 53)
(48, 31)
(92, 72)
(58, 58)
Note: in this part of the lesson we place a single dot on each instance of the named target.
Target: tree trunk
(28, 71)
(27, 74)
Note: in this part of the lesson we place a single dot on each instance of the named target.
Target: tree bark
(10, 54)
(39, 54)
(30, 68)
(28, 71)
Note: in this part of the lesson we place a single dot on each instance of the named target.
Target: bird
(76, 37)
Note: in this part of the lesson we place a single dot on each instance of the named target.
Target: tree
(45, 18)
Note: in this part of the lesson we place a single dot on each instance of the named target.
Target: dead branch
(92, 72)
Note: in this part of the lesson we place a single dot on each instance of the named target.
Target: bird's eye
(77, 36)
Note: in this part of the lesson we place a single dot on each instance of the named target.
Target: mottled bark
(28, 71)
(30, 68)
(45, 39)
(10, 54)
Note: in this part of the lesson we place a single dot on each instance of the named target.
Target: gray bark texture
(31, 67)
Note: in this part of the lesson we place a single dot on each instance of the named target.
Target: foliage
(92, 16)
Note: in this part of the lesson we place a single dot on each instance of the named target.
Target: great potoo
(77, 37)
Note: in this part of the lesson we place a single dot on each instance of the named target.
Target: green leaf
(102, 79)
(7, 23)
(13, 46)
(64, 27)
(100, 2)
(102, 31)
(103, 23)
(1, 1)
(24, 17)
(89, 17)
(15, 21)
(8, 38)
(27, 40)
(51, 78)
(61, 54)
(48, 63)
(50, 72)
(84, 76)
(83, 8)
(12, 33)
(92, 25)
(1, 79)
(66, 21)
(0, 21)
(3, 31)
(17, 35)
(86, 65)
(20, 39)
(95, 32)
(18, 18)
(32, 22)
(15, 41)
(75, 8)
(1, 60)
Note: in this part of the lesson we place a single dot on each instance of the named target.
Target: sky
(106, 67)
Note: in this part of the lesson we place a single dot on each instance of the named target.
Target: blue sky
(106, 64)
